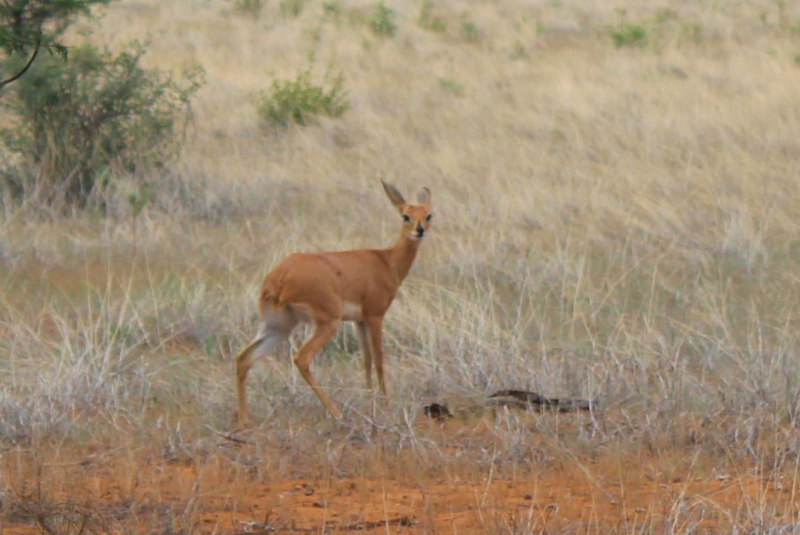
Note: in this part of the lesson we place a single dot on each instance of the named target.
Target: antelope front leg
(375, 329)
(363, 340)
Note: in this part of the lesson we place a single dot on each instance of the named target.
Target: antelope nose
(420, 230)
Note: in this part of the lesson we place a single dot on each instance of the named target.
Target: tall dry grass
(621, 224)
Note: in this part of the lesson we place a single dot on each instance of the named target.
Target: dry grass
(621, 224)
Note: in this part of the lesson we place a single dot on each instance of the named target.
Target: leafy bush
(627, 34)
(95, 114)
(26, 26)
(382, 21)
(299, 100)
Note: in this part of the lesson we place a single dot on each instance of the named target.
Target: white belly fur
(352, 312)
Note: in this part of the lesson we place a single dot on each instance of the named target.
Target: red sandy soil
(157, 495)
(553, 502)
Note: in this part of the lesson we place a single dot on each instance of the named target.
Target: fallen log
(533, 401)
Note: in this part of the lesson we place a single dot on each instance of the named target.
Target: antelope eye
(428, 217)
(407, 218)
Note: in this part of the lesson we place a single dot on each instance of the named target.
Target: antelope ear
(424, 196)
(394, 196)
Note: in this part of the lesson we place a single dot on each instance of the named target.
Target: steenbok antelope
(328, 288)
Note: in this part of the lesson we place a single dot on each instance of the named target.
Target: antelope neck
(402, 255)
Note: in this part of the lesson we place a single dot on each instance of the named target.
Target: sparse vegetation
(608, 226)
(92, 116)
(332, 9)
(428, 18)
(252, 8)
(693, 33)
(292, 8)
(451, 86)
(519, 51)
(298, 101)
(469, 30)
(628, 34)
(665, 15)
(382, 21)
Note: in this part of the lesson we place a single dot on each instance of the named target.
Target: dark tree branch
(14, 78)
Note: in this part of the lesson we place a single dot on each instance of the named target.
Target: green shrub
(93, 115)
(692, 32)
(430, 21)
(382, 21)
(469, 30)
(299, 100)
(665, 15)
(519, 51)
(451, 86)
(249, 7)
(627, 34)
(28, 27)
(292, 8)
(332, 9)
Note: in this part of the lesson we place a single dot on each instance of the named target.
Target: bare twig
(27, 66)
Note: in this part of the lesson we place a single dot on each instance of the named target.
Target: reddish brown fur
(330, 287)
